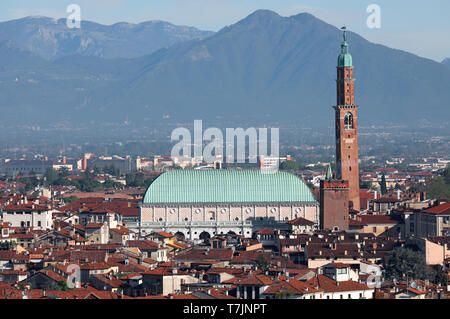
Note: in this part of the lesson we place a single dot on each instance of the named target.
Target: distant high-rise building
(347, 163)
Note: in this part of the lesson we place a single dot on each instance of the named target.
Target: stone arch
(180, 235)
(205, 236)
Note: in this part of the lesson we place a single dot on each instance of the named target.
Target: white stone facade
(37, 220)
(244, 219)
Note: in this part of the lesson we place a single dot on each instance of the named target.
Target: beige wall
(227, 213)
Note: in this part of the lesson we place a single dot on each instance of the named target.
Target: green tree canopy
(404, 261)
(290, 165)
(262, 262)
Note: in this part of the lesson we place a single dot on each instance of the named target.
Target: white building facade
(199, 204)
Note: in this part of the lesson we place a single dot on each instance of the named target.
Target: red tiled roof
(443, 209)
(300, 221)
(121, 230)
(416, 291)
(143, 244)
(255, 280)
(113, 282)
(294, 286)
(94, 226)
(200, 255)
(265, 231)
(330, 285)
(164, 234)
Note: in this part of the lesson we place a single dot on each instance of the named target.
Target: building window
(348, 121)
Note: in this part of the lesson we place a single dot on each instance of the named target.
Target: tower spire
(347, 163)
(345, 35)
(345, 59)
(329, 173)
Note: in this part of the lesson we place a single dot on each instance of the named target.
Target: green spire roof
(345, 59)
(226, 186)
(329, 173)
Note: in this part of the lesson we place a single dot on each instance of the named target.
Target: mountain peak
(261, 15)
(304, 16)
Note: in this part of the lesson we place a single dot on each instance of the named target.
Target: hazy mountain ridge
(51, 38)
(265, 67)
(446, 62)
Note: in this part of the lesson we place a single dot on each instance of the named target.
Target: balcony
(210, 223)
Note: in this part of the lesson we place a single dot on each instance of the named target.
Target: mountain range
(265, 68)
(52, 38)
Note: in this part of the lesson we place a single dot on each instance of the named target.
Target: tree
(64, 171)
(284, 295)
(404, 261)
(262, 262)
(51, 176)
(437, 188)
(290, 165)
(447, 175)
(70, 199)
(383, 185)
(438, 276)
(62, 285)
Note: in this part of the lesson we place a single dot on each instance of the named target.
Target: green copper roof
(345, 59)
(226, 186)
(329, 173)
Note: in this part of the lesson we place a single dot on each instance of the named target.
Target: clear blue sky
(419, 26)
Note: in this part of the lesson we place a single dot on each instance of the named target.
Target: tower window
(348, 121)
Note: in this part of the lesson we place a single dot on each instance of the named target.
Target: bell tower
(347, 162)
